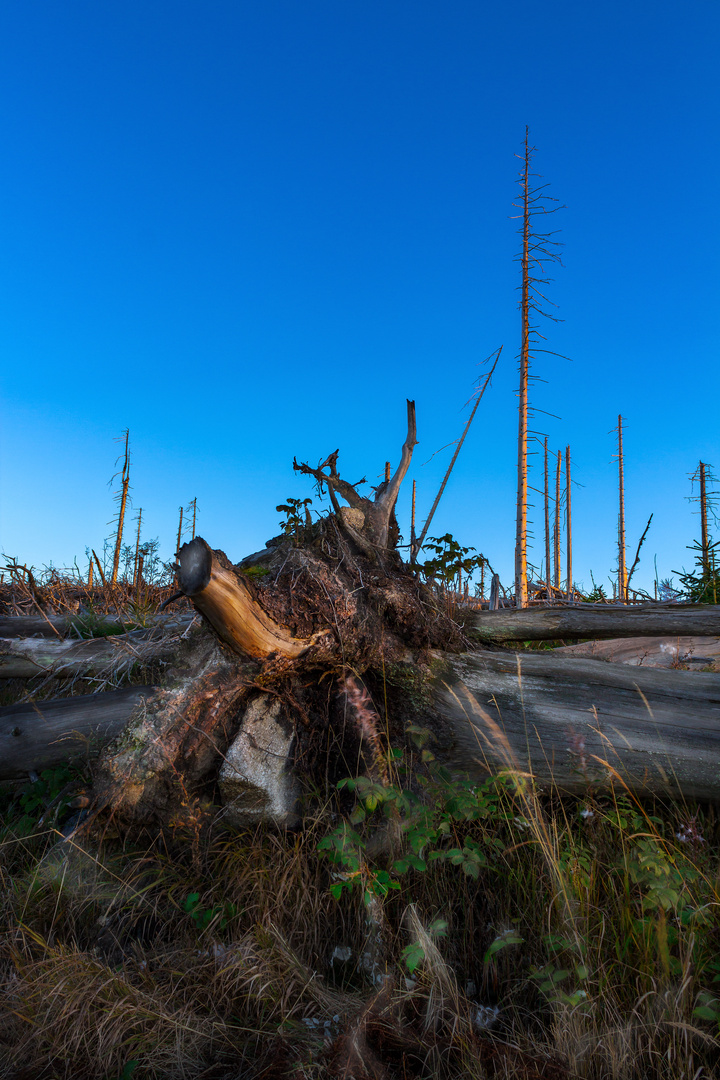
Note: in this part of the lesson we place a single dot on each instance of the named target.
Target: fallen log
(44, 734)
(575, 724)
(578, 723)
(656, 652)
(54, 626)
(24, 658)
(601, 621)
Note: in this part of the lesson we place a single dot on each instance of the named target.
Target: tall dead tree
(536, 250)
(704, 538)
(122, 496)
(622, 569)
(568, 513)
(556, 526)
(547, 518)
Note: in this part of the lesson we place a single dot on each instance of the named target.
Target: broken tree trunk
(369, 522)
(225, 597)
(597, 621)
(580, 724)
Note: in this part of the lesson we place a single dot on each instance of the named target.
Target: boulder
(256, 780)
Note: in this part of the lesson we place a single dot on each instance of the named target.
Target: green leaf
(412, 956)
(191, 901)
(706, 1012)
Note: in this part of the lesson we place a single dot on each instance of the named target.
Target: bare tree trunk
(226, 599)
(45, 734)
(458, 448)
(705, 543)
(622, 571)
(598, 621)
(548, 568)
(112, 657)
(522, 477)
(413, 551)
(568, 511)
(556, 530)
(125, 481)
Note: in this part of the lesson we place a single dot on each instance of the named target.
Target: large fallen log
(45, 734)
(599, 621)
(656, 652)
(574, 723)
(580, 723)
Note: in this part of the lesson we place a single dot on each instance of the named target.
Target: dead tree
(622, 571)
(369, 522)
(537, 249)
(122, 497)
(556, 527)
(568, 519)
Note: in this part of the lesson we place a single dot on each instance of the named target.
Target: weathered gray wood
(23, 658)
(44, 734)
(577, 722)
(14, 626)
(601, 621)
(654, 652)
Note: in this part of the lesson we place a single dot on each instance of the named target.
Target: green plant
(702, 586)
(451, 561)
(219, 915)
(51, 791)
(426, 815)
(297, 517)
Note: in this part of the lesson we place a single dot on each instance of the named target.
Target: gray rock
(256, 781)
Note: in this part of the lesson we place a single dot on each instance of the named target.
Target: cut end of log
(194, 566)
(224, 597)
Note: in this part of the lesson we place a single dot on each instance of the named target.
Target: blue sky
(249, 230)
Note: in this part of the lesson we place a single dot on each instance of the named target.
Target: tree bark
(597, 621)
(654, 652)
(579, 723)
(574, 723)
(52, 626)
(225, 597)
(44, 734)
(24, 658)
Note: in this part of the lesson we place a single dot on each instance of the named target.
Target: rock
(256, 782)
(352, 517)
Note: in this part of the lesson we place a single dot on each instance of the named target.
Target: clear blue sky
(250, 230)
